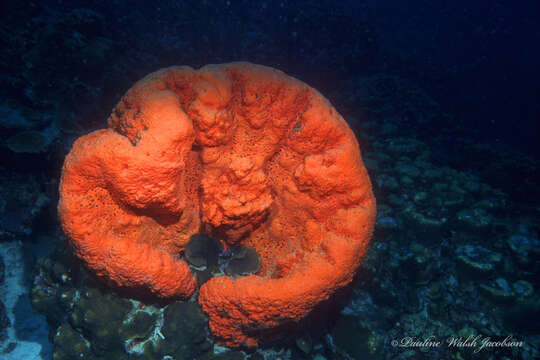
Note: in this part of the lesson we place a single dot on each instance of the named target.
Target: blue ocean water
(443, 97)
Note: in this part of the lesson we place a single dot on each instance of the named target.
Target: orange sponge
(242, 152)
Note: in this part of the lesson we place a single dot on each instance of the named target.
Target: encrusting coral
(239, 151)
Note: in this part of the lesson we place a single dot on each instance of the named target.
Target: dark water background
(478, 59)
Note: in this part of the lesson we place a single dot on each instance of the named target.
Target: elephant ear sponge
(239, 151)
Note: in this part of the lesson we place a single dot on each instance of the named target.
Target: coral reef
(456, 249)
(239, 151)
(452, 256)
